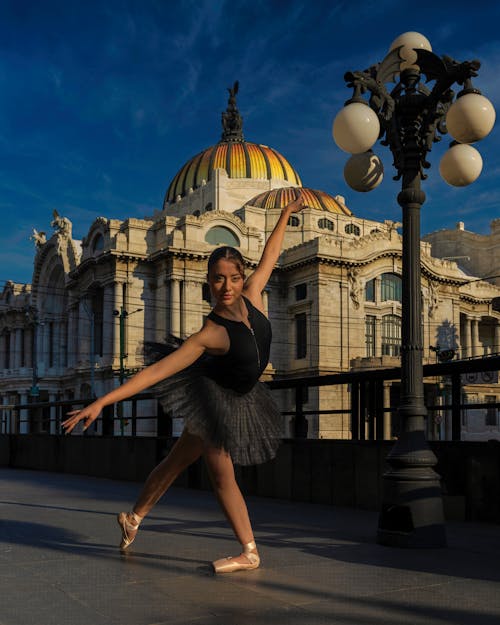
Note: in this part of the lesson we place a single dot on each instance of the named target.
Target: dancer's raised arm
(256, 283)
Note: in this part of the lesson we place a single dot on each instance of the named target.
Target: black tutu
(247, 425)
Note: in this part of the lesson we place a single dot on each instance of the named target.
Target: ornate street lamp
(409, 118)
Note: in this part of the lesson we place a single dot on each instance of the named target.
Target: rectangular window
(370, 335)
(491, 411)
(300, 291)
(391, 335)
(301, 335)
(370, 291)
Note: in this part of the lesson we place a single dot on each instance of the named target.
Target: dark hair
(228, 253)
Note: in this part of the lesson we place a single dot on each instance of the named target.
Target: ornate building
(334, 299)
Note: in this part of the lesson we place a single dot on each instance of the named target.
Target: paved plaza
(59, 563)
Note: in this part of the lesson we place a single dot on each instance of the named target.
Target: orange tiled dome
(278, 198)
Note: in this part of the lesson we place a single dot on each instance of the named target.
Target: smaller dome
(279, 198)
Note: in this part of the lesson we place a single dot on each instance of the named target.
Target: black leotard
(241, 367)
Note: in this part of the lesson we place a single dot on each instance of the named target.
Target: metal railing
(368, 416)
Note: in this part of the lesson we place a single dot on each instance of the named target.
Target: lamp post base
(412, 505)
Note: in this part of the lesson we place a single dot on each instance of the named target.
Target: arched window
(220, 235)
(325, 224)
(352, 229)
(391, 335)
(293, 221)
(98, 243)
(390, 287)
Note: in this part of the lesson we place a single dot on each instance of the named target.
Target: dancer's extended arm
(256, 283)
(192, 348)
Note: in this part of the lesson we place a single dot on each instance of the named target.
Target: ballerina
(212, 380)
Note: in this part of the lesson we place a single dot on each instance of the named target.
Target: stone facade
(334, 301)
(476, 254)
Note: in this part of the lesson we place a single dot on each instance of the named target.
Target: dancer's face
(226, 282)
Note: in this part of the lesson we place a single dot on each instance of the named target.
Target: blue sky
(102, 102)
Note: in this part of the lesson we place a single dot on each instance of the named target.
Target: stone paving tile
(59, 563)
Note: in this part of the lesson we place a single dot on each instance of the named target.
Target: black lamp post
(408, 119)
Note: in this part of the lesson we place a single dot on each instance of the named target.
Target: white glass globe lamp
(470, 118)
(364, 172)
(410, 41)
(356, 128)
(461, 165)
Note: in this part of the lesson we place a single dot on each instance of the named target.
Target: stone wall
(331, 472)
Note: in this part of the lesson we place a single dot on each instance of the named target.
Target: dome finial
(232, 121)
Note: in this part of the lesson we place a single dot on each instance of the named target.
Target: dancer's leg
(221, 471)
(185, 451)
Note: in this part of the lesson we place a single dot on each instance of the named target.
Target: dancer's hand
(89, 414)
(297, 205)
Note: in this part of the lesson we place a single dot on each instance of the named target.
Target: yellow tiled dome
(240, 159)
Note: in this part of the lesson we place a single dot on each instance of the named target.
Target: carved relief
(354, 286)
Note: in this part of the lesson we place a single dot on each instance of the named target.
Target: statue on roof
(232, 122)
(62, 225)
(39, 238)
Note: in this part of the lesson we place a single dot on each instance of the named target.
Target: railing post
(456, 392)
(355, 411)
(362, 410)
(108, 421)
(301, 425)
(379, 409)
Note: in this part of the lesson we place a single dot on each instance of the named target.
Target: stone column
(62, 354)
(192, 314)
(2, 350)
(44, 344)
(56, 344)
(175, 307)
(84, 330)
(28, 347)
(118, 303)
(466, 344)
(496, 345)
(73, 343)
(18, 348)
(109, 324)
(475, 337)
(161, 304)
(12, 359)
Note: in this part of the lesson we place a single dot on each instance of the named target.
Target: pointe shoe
(127, 527)
(246, 561)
